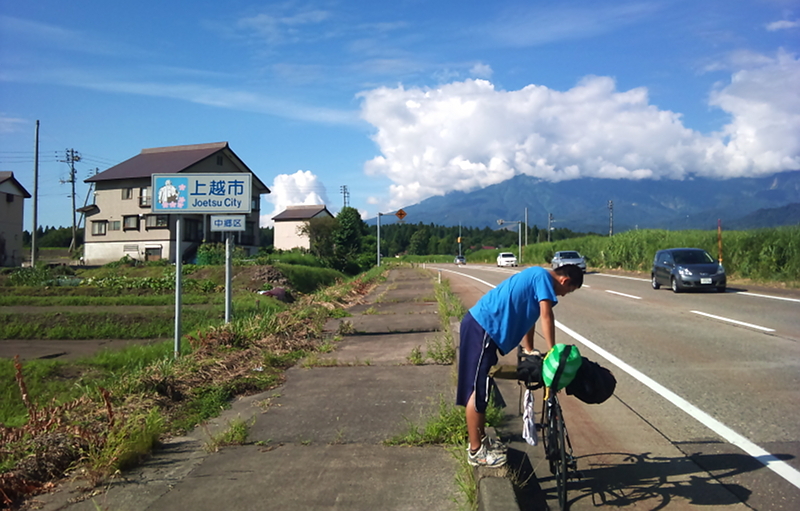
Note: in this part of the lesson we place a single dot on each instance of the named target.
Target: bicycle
(555, 438)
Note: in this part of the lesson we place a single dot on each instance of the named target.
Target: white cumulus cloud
(301, 188)
(782, 25)
(468, 135)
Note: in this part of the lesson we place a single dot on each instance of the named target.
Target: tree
(348, 240)
(320, 234)
(418, 245)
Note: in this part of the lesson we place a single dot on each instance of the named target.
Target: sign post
(184, 194)
(227, 224)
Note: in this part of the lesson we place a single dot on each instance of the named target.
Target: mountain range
(596, 205)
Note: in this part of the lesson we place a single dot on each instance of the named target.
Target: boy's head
(568, 278)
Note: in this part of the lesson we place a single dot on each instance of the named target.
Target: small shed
(289, 222)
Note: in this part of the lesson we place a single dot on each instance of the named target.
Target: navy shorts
(477, 354)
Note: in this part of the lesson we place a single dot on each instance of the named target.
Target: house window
(114, 225)
(9, 197)
(127, 193)
(144, 197)
(219, 159)
(99, 228)
(130, 223)
(152, 253)
(193, 230)
(156, 221)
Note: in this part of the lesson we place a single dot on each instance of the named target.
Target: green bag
(561, 365)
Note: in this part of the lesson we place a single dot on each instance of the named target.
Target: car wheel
(720, 289)
(654, 281)
(674, 285)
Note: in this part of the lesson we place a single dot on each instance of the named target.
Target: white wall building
(120, 222)
(289, 222)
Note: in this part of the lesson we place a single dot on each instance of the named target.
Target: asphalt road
(707, 407)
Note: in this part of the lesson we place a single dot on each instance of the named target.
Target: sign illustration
(202, 193)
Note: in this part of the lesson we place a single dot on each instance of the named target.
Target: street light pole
(379, 238)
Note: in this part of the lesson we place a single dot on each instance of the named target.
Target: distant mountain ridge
(582, 205)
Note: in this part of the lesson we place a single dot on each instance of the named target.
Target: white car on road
(506, 259)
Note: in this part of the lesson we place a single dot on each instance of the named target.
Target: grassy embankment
(761, 255)
(108, 410)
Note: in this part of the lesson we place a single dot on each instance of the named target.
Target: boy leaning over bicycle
(502, 319)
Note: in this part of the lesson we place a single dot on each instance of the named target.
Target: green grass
(57, 382)
(104, 325)
(763, 254)
(18, 297)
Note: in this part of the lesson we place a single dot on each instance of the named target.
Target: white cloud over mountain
(302, 187)
(466, 135)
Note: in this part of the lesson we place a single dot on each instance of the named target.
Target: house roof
(7, 178)
(301, 212)
(171, 160)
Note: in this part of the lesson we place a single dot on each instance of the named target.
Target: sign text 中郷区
(222, 223)
(202, 193)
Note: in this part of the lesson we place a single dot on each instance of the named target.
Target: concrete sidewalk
(316, 442)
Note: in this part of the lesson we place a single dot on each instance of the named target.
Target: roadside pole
(178, 282)
(227, 276)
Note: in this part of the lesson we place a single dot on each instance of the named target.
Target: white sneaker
(486, 458)
(494, 445)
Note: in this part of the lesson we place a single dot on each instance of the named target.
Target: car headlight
(720, 270)
(686, 272)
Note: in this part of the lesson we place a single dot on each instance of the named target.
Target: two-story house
(120, 222)
(289, 224)
(12, 195)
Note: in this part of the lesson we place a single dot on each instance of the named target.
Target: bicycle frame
(557, 445)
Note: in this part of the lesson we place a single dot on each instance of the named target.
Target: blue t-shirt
(508, 311)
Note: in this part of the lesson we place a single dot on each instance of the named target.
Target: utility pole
(610, 218)
(71, 157)
(35, 196)
(346, 194)
(526, 227)
(549, 223)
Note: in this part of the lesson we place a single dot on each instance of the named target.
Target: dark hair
(573, 271)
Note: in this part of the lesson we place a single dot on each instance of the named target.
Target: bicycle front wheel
(560, 461)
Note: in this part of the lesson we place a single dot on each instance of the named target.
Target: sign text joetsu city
(202, 193)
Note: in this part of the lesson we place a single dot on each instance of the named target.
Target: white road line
(761, 455)
(742, 323)
(623, 294)
(769, 296)
(732, 292)
(620, 277)
(781, 468)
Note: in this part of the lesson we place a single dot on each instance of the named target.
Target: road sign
(222, 223)
(202, 193)
(400, 214)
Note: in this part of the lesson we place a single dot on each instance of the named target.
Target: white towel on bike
(528, 421)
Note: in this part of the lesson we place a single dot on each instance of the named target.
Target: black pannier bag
(593, 383)
(529, 370)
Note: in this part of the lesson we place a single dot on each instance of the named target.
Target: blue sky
(405, 101)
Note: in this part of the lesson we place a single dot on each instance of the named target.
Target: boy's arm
(548, 323)
(527, 340)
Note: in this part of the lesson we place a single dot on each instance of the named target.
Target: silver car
(568, 257)
(687, 268)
